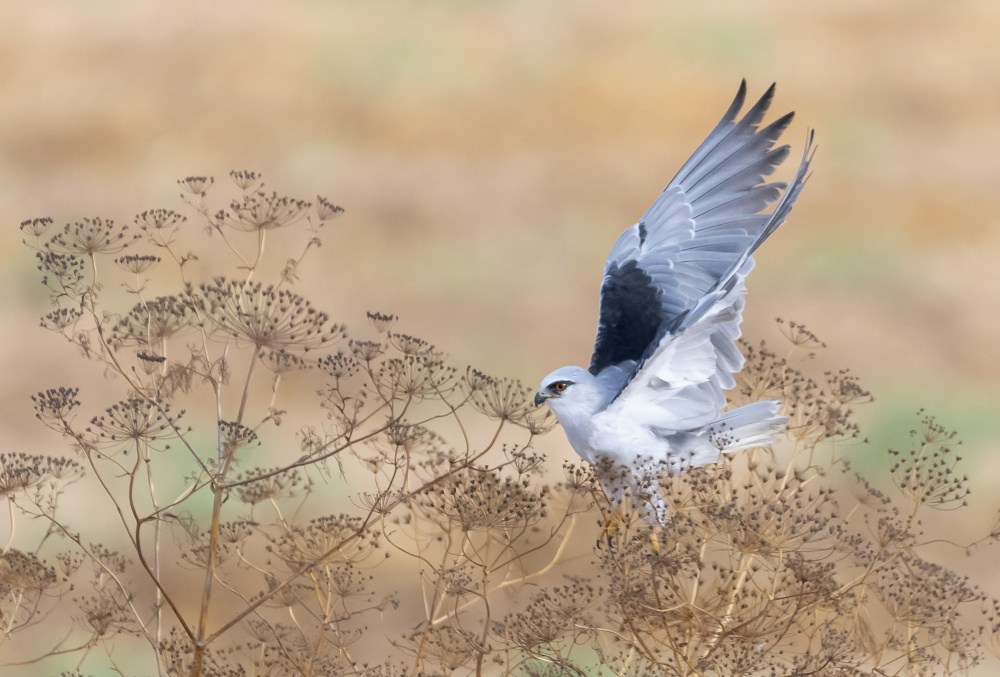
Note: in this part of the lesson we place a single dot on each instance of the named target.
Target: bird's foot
(614, 522)
(617, 522)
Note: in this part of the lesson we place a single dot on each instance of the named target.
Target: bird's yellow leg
(618, 521)
(611, 524)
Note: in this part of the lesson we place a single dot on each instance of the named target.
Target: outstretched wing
(686, 251)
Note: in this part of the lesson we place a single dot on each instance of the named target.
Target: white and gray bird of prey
(671, 306)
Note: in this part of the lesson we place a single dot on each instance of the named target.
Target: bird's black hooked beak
(540, 398)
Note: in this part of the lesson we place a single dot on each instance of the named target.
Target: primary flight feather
(671, 306)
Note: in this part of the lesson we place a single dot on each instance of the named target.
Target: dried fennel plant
(781, 561)
(224, 564)
(403, 527)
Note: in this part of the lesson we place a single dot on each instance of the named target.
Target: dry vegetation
(449, 556)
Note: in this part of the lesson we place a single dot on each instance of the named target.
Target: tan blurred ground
(489, 153)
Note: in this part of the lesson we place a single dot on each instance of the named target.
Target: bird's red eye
(559, 386)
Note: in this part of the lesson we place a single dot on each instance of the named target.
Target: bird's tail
(752, 425)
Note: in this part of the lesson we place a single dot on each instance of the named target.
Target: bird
(672, 297)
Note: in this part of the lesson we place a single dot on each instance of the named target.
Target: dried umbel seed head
(448, 647)
(265, 484)
(196, 185)
(282, 362)
(235, 435)
(539, 421)
(137, 263)
(325, 209)
(552, 615)
(267, 317)
(476, 380)
(927, 472)
(579, 478)
(62, 319)
(237, 531)
(244, 178)
(478, 501)
(415, 377)
(380, 503)
(403, 435)
(153, 220)
(36, 227)
(798, 335)
(844, 387)
(92, 236)
(105, 615)
(19, 471)
(22, 572)
(501, 398)
(339, 366)
(525, 461)
(261, 211)
(150, 364)
(409, 345)
(381, 322)
(135, 420)
(154, 321)
(339, 538)
(365, 351)
(62, 272)
(55, 404)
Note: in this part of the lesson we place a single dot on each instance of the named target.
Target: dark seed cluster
(150, 323)
(92, 236)
(262, 211)
(20, 472)
(134, 421)
(928, 472)
(266, 317)
(153, 220)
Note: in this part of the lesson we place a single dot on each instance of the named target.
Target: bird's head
(574, 395)
(566, 387)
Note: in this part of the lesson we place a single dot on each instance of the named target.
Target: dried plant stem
(18, 598)
(271, 405)
(486, 606)
(261, 240)
(229, 245)
(311, 459)
(75, 538)
(13, 526)
(57, 650)
(134, 538)
(201, 642)
(246, 389)
(746, 561)
(549, 566)
(299, 571)
(628, 661)
(157, 522)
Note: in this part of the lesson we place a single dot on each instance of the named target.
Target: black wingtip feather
(734, 109)
(778, 127)
(737, 104)
(757, 112)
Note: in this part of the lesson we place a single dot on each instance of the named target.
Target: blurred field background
(489, 153)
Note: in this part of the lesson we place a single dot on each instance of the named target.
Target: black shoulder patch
(642, 233)
(630, 316)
